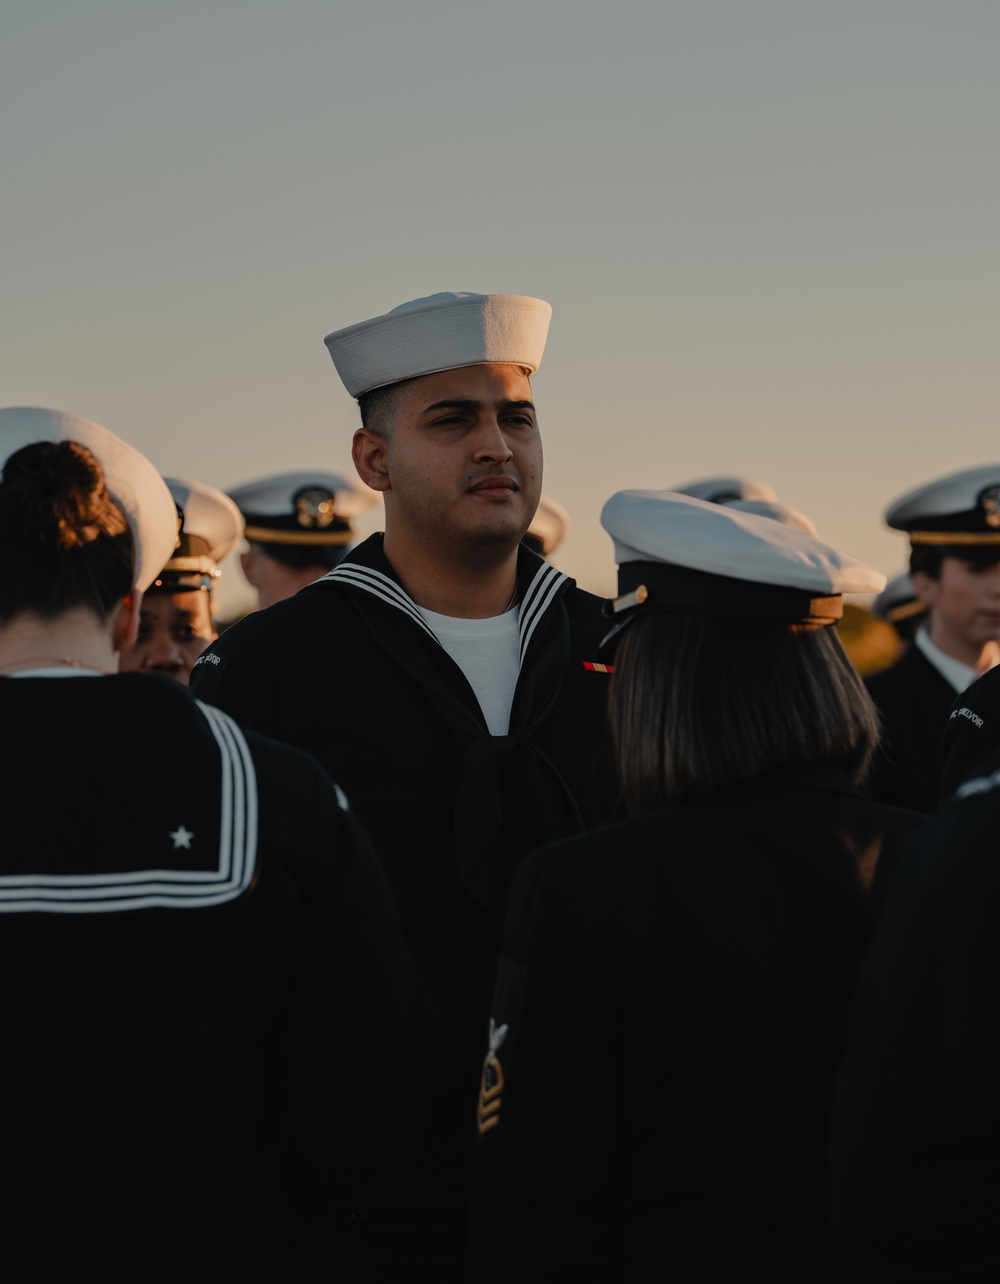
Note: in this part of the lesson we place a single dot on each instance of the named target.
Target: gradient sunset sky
(768, 230)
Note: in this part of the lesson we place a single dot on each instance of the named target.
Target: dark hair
(699, 703)
(302, 556)
(379, 408)
(927, 559)
(64, 542)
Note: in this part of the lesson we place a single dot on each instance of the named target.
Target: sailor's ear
(125, 626)
(371, 459)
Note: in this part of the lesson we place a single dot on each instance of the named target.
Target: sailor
(448, 678)
(916, 1132)
(548, 527)
(206, 999)
(298, 527)
(953, 526)
(175, 620)
(899, 605)
(673, 991)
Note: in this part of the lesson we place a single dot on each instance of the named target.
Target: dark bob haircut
(699, 704)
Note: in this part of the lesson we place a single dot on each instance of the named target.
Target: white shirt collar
(959, 675)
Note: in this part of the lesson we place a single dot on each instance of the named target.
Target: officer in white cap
(204, 978)
(298, 527)
(673, 992)
(175, 622)
(446, 676)
(953, 526)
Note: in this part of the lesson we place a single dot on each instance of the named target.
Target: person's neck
(979, 656)
(476, 588)
(76, 639)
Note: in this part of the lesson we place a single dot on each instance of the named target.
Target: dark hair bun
(52, 494)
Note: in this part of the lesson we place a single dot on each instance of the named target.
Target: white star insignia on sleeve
(182, 837)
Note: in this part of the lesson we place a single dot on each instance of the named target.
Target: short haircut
(64, 542)
(380, 407)
(698, 704)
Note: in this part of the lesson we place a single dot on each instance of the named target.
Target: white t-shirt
(487, 652)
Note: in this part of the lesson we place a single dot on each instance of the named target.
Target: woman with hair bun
(205, 993)
(673, 992)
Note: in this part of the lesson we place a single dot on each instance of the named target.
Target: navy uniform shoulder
(274, 627)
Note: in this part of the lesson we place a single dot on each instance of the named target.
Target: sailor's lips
(494, 487)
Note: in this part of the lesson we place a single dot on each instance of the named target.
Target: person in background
(447, 677)
(915, 1142)
(899, 605)
(207, 1006)
(176, 617)
(674, 990)
(548, 527)
(298, 527)
(953, 525)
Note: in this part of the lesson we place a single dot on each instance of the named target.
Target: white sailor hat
(548, 527)
(441, 332)
(308, 508)
(210, 528)
(898, 601)
(783, 513)
(679, 555)
(958, 514)
(723, 490)
(132, 481)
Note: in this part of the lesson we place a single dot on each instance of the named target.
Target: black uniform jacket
(914, 700)
(348, 670)
(669, 1010)
(205, 998)
(916, 1138)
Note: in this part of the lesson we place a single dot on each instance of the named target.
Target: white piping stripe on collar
(539, 596)
(380, 586)
(537, 601)
(163, 888)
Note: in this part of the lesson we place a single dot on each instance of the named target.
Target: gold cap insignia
(314, 508)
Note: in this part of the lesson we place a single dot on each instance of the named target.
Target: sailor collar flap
(540, 586)
(544, 650)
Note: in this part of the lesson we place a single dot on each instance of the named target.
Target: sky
(767, 228)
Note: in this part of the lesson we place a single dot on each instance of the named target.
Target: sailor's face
(174, 629)
(964, 599)
(464, 458)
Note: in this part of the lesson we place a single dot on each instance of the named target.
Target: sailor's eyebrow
(470, 403)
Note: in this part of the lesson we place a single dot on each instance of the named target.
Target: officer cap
(440, 332)
(959, 514)
(210, 527)
(308, 508)
(723, 490)
(898, 601)
(132, 481)
(783, 513)
(680, 555)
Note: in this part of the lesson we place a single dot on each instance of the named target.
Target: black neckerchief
(399, 630)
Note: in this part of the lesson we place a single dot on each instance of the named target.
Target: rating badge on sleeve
(491, 1084)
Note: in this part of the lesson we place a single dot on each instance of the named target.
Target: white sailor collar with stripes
(542, 590)
(177, 888)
